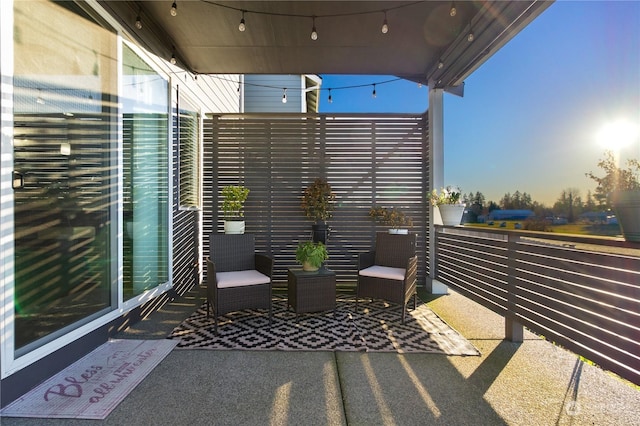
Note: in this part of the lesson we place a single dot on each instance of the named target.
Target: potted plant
(318, 201)
(232, 207)
(448, 203)
(620, 189)
(396, 219)
(311, 255)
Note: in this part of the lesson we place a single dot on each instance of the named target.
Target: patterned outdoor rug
(376, 327)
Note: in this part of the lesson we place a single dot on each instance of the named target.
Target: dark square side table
(311, 291)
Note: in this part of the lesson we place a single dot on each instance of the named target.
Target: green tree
(569, 204)
(615, 178)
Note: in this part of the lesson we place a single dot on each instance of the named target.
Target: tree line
(570, 203)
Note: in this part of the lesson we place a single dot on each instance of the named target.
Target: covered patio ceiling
(424, 43)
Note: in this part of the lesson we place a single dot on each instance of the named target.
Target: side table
(311, 291)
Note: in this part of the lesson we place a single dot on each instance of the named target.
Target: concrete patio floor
(533, 383)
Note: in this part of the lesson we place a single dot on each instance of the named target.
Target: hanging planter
(449, 205)
(451, 214)
(234, 226)
(232, 207)
(318, 201)
(397, 221)
(626, 204)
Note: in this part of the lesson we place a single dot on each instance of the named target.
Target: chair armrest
(264, 264)
(411, 271)
(366, 259)
(212, 281)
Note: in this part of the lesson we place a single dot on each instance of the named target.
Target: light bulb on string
(173, 56)
(314, 32)
(242, 25)
(440, 65)
(385, 24)
(330, 99)
(138, 22)
(470, 37)
(374, 94)
(453, 11)
(40, 99)
(174, 9)
(284, 96)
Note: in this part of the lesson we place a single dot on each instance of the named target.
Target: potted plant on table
(311, 255)
(448, 203)
(318, 201)
(396, 219)
(233, 200)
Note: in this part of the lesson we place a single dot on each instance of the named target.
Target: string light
(173, 55)
(242, 25)
(374, 94)
(440, 65)
(385, 25)
(330, 99)
(174, 9)
(284, 96)
(138, 22)
(40, 99)
(314, 33)
(470, 37)
(453, 11)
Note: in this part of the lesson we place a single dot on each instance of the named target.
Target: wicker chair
(389, 272)
(237, 277)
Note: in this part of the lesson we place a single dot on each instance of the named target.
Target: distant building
(265, 93)
(510, 214)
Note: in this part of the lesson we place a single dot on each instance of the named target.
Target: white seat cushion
(241, 278)
(385, 272)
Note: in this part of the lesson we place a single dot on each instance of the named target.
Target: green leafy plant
(391, 217)
(312, 253)
(233, 201)
(448, 195)
(318, 200)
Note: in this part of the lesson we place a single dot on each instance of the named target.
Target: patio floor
(533, 383)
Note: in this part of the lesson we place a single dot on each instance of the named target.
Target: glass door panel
(146, 176)
(65, 154)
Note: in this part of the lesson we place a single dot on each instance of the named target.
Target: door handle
(17, 182)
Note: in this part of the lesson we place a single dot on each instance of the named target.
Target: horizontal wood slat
(585, 297)
(368, 160)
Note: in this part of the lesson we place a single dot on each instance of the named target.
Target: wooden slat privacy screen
(368, 160)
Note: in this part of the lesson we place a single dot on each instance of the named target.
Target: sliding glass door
(65, 170)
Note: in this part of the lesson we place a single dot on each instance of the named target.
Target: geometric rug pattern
(376, 327)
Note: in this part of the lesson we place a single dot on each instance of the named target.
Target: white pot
(234, 226)
(451, 214)
(399, 231)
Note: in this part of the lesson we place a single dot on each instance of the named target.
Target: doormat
(94, 385)
(375, 327)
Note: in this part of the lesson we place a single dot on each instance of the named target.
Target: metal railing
(582, 293)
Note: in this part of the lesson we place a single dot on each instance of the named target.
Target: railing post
(513, 330)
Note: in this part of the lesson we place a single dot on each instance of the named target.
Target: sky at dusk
(531, 115)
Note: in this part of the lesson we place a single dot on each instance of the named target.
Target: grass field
(577, 229)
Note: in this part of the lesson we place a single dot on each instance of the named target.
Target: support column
(435, 178)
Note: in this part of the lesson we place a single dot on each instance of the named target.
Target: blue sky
(530, 115)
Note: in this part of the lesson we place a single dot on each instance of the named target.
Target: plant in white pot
(448, 203)
(397, 221)
(619, 189)
(311, 255)
(318, 201)
(233, 198)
